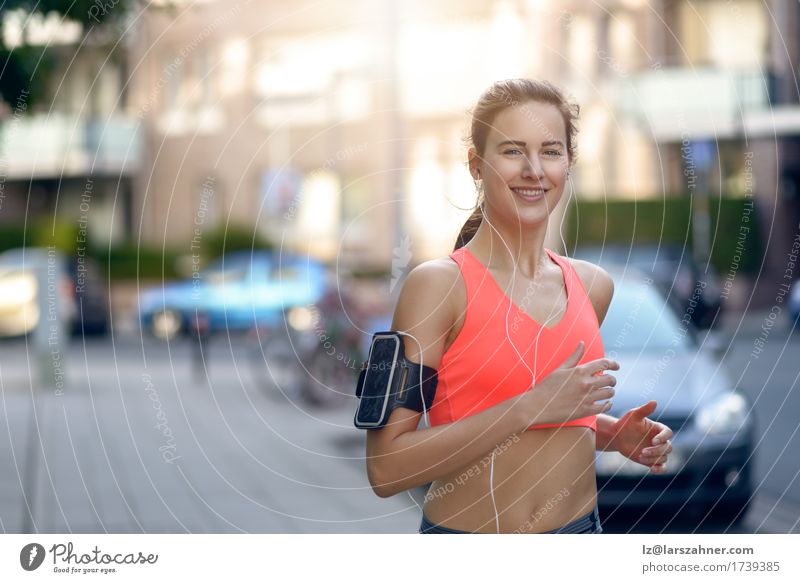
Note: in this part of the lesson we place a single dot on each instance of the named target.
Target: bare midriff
(542, 480)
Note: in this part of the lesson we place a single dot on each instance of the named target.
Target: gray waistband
(588, 524)
(583, 525)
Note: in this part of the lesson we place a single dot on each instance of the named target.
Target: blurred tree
(25, 66)
(232, 237)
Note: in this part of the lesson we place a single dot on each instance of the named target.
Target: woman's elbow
(381, 483)
(385, 468)
(383, 490)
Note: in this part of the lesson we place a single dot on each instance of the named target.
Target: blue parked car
(236, 292)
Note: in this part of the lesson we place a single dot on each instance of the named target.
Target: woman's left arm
(604, 432)
(638, 438)
(633, 435)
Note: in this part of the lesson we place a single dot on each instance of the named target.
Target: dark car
(688, 287)
(710, 468)
(794, 306)
(92, 309)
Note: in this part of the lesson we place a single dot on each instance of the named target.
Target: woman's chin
(530, 216)
(527, 221)
(534, 212)
(524, 216)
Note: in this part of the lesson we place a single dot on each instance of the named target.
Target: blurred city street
(179, 177)
(139, 442)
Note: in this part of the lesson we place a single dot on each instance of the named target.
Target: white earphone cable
(508, 337)
(521, 358)
(421, 393)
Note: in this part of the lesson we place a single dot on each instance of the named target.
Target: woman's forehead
(531, 121)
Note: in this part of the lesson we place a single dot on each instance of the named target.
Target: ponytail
(470, 227)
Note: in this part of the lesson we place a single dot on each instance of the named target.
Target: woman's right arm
(399, 456)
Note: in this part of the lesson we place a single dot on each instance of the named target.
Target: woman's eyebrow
(521, 143)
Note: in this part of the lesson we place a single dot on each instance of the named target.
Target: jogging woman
(513, 331)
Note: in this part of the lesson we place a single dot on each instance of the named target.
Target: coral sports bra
(481, 368)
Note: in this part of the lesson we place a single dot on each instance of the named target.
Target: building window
(723, 33)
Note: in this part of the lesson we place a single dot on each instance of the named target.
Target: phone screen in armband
(378, 380)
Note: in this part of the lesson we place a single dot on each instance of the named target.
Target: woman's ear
(472, 154)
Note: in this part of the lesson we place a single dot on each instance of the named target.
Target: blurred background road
(139, 444)
(142, 443)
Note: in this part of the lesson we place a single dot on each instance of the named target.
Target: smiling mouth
(530, 193)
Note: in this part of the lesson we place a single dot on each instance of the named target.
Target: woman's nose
(533, 168)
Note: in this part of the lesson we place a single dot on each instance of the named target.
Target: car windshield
(286, 273)
(639, 318)
(228, 275)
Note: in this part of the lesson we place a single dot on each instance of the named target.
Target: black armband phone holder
(388, 380)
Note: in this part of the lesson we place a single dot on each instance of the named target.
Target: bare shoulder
(431, 282)
(440, 271)
(598, 283)
(427, 306)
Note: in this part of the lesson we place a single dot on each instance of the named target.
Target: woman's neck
(495, 241)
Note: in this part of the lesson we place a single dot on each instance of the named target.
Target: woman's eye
(553, 153)
(513, 150)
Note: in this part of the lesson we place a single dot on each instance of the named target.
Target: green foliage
(86, 12)
(24, 76)
(43, 232)
(11, 237)
(26, 69)
(225, 239)
(666, 221)
(734, 222)
(128, 261)
(40, 232)
(624, 221)
(134, 262)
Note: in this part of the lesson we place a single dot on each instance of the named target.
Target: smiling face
(525, 164)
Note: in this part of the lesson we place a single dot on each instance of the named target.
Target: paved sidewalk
(139, 445)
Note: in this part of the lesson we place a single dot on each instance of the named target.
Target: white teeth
(528, 192)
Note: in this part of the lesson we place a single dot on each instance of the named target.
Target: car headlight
(726, 414)
(17, 290)
(303, 318)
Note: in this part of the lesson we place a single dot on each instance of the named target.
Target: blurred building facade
(328, 125)
(338, 127)
(718, 101)
(71, 156)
